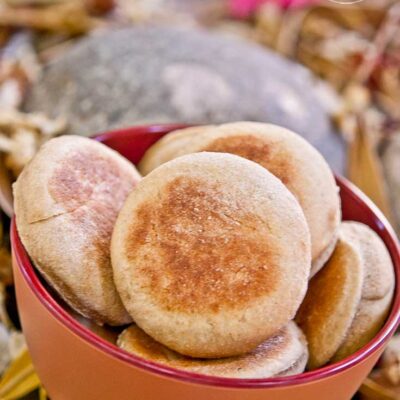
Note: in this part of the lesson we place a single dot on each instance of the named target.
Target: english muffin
(348, 301)
(331, 303)
(285, 154)
(281, 355)
(66, 202)
(211, 255)
(378, 288)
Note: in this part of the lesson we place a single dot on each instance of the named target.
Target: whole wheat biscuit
(66, 202)
(285, 154)
(348, 301)
(379, 271)
(331, 303)
(281, 355)
(378, 287)
(201, 258)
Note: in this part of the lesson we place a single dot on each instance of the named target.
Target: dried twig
(385, 34)
(364, 168)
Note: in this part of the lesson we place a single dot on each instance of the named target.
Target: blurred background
(328, 71)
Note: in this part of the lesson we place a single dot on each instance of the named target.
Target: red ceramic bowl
(74, 363)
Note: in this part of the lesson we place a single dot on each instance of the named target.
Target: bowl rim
(32, 279)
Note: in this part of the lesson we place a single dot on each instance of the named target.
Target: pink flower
(245, 8)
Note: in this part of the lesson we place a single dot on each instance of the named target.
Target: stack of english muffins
(225, 255)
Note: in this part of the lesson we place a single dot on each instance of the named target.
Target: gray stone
(163, 74)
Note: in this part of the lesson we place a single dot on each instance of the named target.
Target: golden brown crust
(200, 248)
(283, 354)
(331, 303)
(245, 265)
(256, 149)
(294, 161)
(66, 202)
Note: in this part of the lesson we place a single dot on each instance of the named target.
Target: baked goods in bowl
(201, 258)
(66, 202)
(94, 368)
